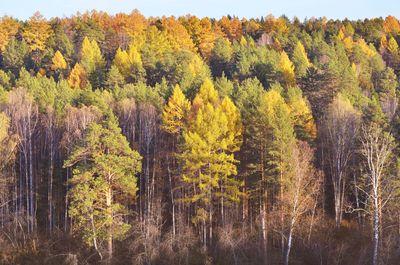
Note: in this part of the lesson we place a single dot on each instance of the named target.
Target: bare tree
(301, 192)
(148, 129)
(24, 116)
(7, 178)
(377, 147)
(341, 126)
(49, 122)
(126, 111)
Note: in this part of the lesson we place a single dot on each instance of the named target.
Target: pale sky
(352, 9)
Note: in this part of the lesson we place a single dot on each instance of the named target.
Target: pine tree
(276, 116)
(300, 60)
(15, 55)
(114, 78)
(387, 92)
(103, 183)
(303, 120)
(276, 123)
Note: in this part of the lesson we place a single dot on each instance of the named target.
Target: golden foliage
(8, 28)
(77, 77)
(37, 32)
(58, 61)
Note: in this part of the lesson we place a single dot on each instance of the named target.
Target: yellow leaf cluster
(58, 61)
(8, 28)
(36, 32)
(286, 68)
(77, 77)
(175, 112)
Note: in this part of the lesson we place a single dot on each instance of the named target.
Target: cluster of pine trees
(133, 140)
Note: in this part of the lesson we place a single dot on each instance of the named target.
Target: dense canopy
(186, 140)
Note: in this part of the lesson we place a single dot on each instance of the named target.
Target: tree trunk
(289, 245)
(94, 234)
(376, 225)
(172, 198)
(50, 188)
(110, 234)
(28, 219)
(31, 188)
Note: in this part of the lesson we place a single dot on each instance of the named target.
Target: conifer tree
(114, 78)
(103, 183)
(303, 120)
(207, 156)
(175, 112)
(58, 61)
(300, 60)
(129, 63)
(275, 115)
(37, 32)
(77, 77)
(8, 28)
(93, 62)
(286, 69)
(392, 46)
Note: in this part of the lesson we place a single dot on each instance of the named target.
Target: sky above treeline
(336, 9)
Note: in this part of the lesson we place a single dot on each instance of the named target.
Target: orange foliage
(391, 25)
(8, 29)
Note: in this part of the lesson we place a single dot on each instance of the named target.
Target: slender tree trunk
(357, 198)
(110, 233)
(27, 196)
(289, 244)
(171, 191)
(312, 220)
(94, 234)
(211, 225)
(31, 187)
(50, 187)
(66, 202)
(282, 218)
(376, 226)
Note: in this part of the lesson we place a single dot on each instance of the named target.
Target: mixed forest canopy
(165, 140)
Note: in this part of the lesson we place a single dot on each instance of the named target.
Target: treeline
(133, 140)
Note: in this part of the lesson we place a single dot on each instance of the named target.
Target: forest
(127, 139)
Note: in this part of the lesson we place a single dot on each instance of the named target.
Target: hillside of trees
(199, 141)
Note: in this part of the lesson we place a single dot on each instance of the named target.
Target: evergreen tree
(114, 78)
(15, 55)
(304, 124)
(300, 60)
(103, 183)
